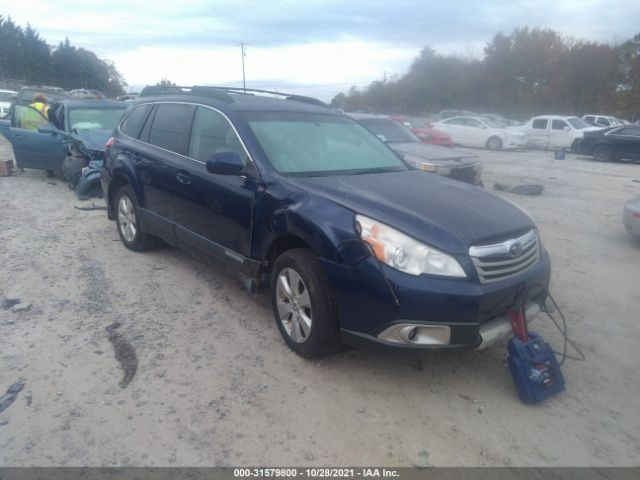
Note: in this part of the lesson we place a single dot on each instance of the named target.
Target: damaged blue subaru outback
(354, 245)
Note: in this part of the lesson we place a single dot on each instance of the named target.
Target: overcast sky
(316, 47)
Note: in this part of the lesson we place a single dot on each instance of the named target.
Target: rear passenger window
(170, 127)
(540, 124)
(133, 123)
(211, 133)
(558, 125)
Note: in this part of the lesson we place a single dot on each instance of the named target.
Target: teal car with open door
(70, 142)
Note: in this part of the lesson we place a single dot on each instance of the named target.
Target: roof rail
(222, 93)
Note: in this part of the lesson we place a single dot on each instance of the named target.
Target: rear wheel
(128, 222)
(603, 153)
(303, 305)
(494, 143)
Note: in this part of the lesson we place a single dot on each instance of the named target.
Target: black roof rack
(222, 93)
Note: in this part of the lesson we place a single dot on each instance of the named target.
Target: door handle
(183, 177)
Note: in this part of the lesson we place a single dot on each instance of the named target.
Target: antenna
(244, 83)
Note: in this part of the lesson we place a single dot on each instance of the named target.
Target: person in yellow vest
(31, 120)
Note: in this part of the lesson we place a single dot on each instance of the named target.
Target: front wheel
(128, 222)
(303, 305)
(494, 143)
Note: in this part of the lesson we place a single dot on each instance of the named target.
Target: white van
(555, 131)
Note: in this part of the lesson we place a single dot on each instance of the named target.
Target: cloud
(310, 42)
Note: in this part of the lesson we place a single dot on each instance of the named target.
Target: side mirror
(225, 163)
(47, 129)
(566, 129)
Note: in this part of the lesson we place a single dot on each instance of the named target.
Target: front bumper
(448, 313)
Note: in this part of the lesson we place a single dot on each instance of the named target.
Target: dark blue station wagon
(354, 245)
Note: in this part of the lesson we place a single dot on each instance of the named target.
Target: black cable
(563, 330)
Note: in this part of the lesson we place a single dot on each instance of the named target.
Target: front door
(628, 142)
(214, 212)
(561, 134)
(32, 149)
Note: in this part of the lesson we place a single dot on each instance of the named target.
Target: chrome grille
(506, 259)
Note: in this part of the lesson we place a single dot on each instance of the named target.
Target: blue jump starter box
(534, 368)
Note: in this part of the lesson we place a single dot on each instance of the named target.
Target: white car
(6, 98)
(556, 131)
(481, 132)
(604, 121)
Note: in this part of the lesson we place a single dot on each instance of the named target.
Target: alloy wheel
(127, 218)
(294, 305)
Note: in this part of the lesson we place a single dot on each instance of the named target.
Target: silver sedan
(631, 216)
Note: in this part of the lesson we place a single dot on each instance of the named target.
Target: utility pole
(244, 83)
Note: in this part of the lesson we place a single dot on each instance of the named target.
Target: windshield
(316, 144)
(95, 118)
(388, 130)
(578, 123)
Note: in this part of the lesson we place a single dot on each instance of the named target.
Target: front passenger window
(211, 133)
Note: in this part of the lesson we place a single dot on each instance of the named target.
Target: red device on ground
(532, 363)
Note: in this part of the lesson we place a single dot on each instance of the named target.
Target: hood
(93, 139)
(447, 214)
(423, 152)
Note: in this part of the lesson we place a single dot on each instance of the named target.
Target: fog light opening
(413, 334)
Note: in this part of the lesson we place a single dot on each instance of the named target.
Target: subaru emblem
(515, 249)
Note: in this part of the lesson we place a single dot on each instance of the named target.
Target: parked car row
(340, 217)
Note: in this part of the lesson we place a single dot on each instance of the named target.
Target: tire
(303, 305)
(603, 153)
(126, 208)
(72, 169)
(494, 143)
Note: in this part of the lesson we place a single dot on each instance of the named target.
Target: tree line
(525, 73)
(25, 56)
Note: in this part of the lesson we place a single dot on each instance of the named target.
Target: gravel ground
(215, 384)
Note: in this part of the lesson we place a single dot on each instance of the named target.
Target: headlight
(403, 253)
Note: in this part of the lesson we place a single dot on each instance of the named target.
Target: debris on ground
(125, 354)
(91, 207)
(21, 307)
(12, 393)
(8, 303)
(521, 189)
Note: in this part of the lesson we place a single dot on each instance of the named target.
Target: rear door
(32, 149)
(538, 133)
(214, 212)
(157, 159)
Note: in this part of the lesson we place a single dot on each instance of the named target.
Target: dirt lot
(216, 385)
